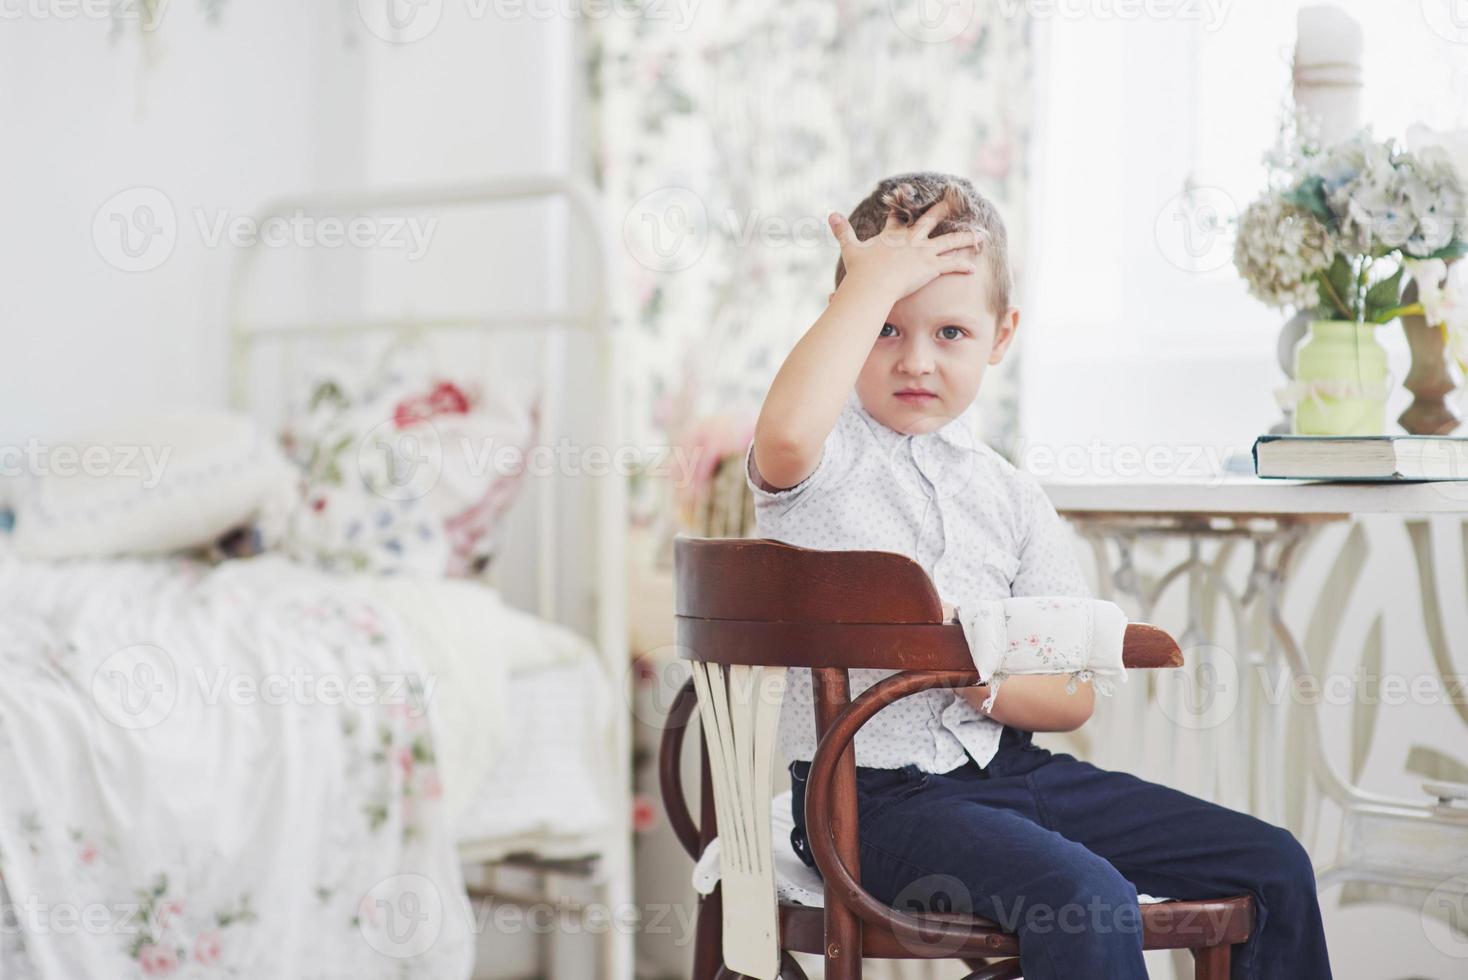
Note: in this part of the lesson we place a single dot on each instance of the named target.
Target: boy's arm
(1037, 702)
(1048, 566)
(812, 385)
(1034, 702)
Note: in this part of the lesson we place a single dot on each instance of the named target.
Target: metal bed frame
(598, 599)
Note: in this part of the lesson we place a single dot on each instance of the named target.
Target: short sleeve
(1048, 563)
(833, 452)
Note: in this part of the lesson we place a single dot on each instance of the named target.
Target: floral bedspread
(223, 771)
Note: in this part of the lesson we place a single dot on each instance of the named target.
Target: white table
(1415, 850)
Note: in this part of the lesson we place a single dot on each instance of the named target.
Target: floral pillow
(405, 471)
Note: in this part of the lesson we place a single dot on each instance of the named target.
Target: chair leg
(1212, 962)
(708, 937)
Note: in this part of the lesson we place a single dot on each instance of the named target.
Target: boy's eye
(885, 328)
(957, 332)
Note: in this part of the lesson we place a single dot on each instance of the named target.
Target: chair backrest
(746, 610)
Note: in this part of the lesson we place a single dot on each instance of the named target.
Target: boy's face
(938, 339)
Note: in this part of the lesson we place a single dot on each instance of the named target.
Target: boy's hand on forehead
(903, 258)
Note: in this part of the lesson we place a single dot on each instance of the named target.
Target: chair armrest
(841, 885)
(670, 774)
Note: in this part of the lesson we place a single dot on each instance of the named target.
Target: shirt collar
(960, 433)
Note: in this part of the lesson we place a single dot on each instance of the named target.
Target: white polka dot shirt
(981, 528)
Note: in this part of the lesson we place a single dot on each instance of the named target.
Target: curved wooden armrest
(840, 883)
(670, 776)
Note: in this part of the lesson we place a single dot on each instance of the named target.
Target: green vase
(1341, 380)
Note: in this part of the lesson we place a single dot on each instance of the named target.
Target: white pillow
(148, 486)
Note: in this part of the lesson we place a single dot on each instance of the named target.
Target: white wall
(264, 102)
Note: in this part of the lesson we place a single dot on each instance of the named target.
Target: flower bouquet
(1332, 237)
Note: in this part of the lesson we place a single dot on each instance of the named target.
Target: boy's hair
(910, 195)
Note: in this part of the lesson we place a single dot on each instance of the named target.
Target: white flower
(1452, 145)
(1278, 251)
(1442, 289)
(1384, 199)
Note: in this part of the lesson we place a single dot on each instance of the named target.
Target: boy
(866, 441)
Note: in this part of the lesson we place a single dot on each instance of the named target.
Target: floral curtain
(723, 134)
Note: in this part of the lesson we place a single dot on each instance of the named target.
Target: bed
(494, 729)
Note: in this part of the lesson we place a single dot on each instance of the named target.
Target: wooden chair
(747, 609)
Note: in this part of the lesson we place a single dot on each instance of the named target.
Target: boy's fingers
(966, 238)
(957, 263)
(841, 228)
(924, 225)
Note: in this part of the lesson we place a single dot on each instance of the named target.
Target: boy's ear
(1004, 331)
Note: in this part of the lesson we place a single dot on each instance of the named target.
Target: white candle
(1327, 72)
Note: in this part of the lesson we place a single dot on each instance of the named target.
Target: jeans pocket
(887, 794)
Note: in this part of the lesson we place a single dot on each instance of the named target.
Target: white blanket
(224, 772)
(1045, 635)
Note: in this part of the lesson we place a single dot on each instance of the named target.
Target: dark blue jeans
(1056, 850)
